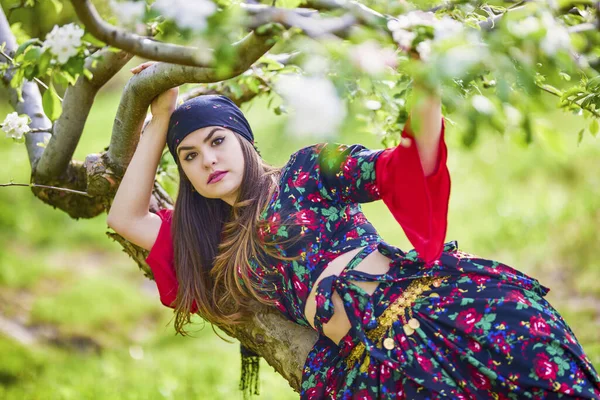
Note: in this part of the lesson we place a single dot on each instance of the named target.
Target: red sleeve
(419, 203)
(160, 259)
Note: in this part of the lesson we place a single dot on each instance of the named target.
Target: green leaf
(58, 6)
(17, 78)
(580, 136)
(565, 76)
(33, 54)
(44, 62)
(91, 39)
(594, 128)
(51, 103)
(21, 49)
(75, 66)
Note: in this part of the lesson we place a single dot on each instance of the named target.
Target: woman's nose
(210, 159)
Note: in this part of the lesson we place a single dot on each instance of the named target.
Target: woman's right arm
(129, 214)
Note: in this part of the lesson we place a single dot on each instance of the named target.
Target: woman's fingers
(142, 66)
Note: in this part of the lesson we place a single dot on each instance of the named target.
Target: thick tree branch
(77, 103)
(135, 44)
(145, 86)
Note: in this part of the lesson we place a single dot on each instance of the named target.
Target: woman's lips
(217, 176)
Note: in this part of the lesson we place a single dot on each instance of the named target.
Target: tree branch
(32, 100)
(77, 103)
(145, 86)
(139, 45)
(312, 27)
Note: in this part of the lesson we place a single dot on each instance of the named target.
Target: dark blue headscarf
(202, 111)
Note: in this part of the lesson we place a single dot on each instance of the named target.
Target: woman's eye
(218, 141)
(187, 157)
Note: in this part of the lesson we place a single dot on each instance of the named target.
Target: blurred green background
(79, 321)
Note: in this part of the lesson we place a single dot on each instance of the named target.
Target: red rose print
(538, 326)
(480, 381)
(301, 179)
(301, 288)
(566, 389)
(315, 197)
(372, 189)
(352, 234)
(467, 319)
(308, 218)
(349, 166)
(518, 297)
(478, 279)
(385, 372)
(544, 368)
(474, 346)
(362, 395)
(424, 362)
(320, 299)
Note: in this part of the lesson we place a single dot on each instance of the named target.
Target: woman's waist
(339, 324)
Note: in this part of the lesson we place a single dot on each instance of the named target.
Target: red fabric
(419, 203)
(161, 260)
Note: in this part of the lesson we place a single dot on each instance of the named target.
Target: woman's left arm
(414, 181)
(426, 125)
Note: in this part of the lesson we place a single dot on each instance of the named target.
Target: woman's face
(213, 161)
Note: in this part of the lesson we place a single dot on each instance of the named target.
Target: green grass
(537, 209)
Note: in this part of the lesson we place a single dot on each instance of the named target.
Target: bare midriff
(339, 325)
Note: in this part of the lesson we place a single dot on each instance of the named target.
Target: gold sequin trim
(397, 309)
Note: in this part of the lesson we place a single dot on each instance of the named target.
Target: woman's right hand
(165, 103)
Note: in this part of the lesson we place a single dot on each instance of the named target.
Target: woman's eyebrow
(212, 132)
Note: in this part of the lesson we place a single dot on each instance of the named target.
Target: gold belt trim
(390, 314)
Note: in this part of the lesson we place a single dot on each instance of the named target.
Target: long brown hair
(214, 243)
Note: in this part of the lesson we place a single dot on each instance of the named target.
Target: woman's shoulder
(330, 154)
(304, 156)
(314, 152)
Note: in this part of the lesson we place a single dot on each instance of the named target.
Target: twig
(588, 26)
(9, 58)
(46, 187)
(553, 91)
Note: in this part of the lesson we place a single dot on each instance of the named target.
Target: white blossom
(373, 105)
(316, 65)
(16, 126)
(513, 115)
(412, 18)
(482, 104)
(458, 60)
(524, 27)
(318, 109)
(446, 28)
(424, 50)
(64, 41)
(557, 37)
(190, 14)
(404, 38)
(443, 28)
(372, 58)
(128, 12)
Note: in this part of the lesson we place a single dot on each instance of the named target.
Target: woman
(431, 323)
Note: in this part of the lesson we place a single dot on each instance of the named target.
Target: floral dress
(441, 324)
